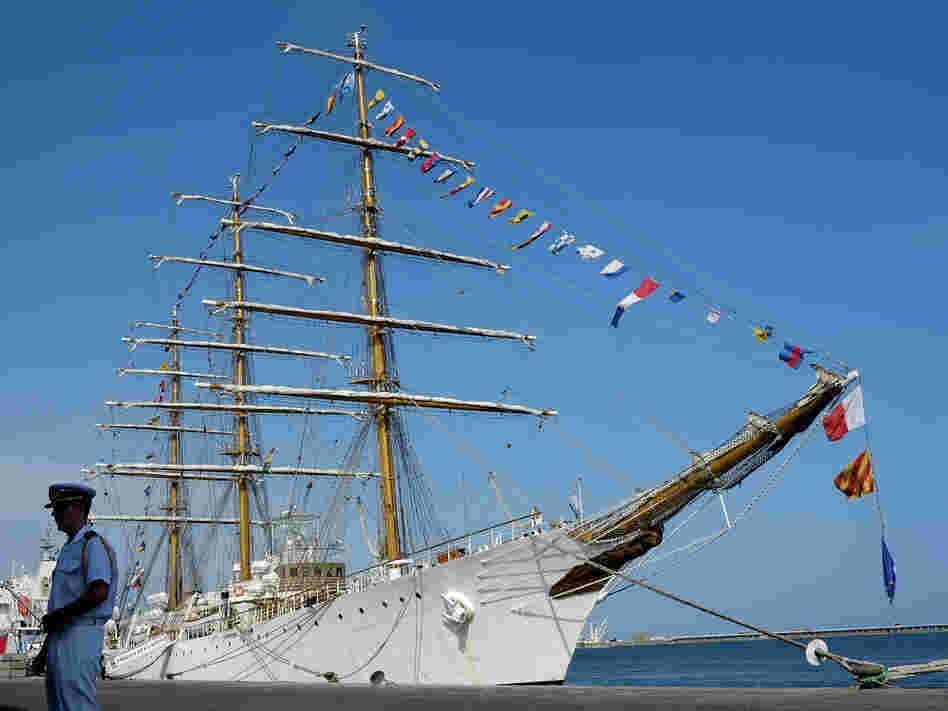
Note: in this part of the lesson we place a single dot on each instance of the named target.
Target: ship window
(340, 615)
(315, 623)
(362, 610)
(418, 595)
(384, 604)
(401, 599)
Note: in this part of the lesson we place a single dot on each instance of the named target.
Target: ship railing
(478, 541)
(443, 552)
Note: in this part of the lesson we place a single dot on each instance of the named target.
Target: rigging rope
(700, 543)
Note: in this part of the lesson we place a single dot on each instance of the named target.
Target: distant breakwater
(803, 634)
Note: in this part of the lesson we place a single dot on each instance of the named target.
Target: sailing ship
(504, 604)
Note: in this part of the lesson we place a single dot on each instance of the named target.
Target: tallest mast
(380, 380)
(242, 451)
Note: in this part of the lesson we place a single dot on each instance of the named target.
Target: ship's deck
(29, 695)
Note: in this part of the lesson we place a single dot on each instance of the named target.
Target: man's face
(68, 517)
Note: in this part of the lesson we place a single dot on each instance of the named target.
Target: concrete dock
(29, 695)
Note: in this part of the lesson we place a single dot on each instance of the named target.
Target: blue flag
(888, 572)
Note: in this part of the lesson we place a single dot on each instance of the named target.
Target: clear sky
(788, 162)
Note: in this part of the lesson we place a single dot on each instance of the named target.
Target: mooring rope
(867, 674)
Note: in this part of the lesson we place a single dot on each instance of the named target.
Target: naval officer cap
(64, 492)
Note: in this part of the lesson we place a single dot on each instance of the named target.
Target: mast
(242, 439)
(374, 300)
(174, 550)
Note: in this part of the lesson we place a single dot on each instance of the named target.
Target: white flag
(614, 269)
(589, 252)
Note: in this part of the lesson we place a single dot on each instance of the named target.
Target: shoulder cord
(113, 571)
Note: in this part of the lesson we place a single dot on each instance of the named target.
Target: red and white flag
(405, 137)
(648, 286)
(848, 415)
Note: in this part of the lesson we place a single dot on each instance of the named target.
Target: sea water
(752, 664)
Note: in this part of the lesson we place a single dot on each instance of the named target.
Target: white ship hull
(517, 634)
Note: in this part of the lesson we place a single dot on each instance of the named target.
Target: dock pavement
(29, 695)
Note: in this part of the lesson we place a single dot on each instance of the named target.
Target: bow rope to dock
(867, 674)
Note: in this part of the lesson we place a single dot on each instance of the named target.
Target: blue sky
(788, 163)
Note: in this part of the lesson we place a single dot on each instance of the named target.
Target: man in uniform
(81, 598)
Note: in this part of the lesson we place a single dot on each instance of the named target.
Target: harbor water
(752, 664)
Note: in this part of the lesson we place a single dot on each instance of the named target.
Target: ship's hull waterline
(518, 634)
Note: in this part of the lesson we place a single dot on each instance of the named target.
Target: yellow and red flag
(520, 217)
(393, 129)
(500, 207)
(856, 480)
(379, 96)
(468, 181)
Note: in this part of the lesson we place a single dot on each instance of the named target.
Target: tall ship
(502, 604)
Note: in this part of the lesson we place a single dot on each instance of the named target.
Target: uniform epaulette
(88, 536)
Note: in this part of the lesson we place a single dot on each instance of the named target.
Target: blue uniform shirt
(68, 583)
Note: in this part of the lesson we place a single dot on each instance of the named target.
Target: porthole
(340, 615)
(315, 623)
(384, 604)
(401, 599)
(418, 595)
(362, 610)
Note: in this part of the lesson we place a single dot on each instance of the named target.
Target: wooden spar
(288, 47)
(165, 428)
(250, 409)
(235, 469)
(375, 243)
(180, 197)
(641, 528)
(308, 278)
(239, 347)
(383, 398)
(671, 497)
(369, 320)
(175, 519)
(372, 143)
(182, 329)
(169, 373)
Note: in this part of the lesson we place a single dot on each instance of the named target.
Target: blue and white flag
(561, 243)
(613, 269)
(481, 196)
(346, 84)
(386, 110)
